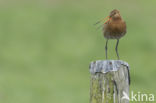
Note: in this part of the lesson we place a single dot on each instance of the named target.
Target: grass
(46, 48)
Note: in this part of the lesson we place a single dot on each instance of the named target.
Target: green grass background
(46, 47)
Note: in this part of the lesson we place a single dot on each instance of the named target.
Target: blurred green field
(46, 47)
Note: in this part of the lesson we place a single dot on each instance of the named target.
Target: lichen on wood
(109, 79)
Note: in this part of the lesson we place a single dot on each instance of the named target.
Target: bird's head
(115, 14)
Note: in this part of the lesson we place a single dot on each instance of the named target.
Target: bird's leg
(116, 48)
(106, 48)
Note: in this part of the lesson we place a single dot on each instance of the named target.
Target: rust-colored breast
(114, 29)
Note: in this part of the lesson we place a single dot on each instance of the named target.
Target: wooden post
(110, 81)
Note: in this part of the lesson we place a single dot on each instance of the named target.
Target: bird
(113, 28)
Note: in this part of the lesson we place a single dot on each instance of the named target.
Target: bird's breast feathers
(117, 26)
(115, 29)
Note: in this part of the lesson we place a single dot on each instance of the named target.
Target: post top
(104, 66)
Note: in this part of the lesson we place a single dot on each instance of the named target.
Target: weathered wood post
(110, 81)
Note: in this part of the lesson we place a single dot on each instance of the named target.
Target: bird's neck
(116, 19)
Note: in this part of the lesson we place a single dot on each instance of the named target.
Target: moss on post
(109, 79)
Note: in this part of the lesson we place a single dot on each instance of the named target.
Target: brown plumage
(114, 28)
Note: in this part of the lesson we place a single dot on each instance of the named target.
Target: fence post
(110, 81)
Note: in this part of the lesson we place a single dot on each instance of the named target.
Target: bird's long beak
(105, 19)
